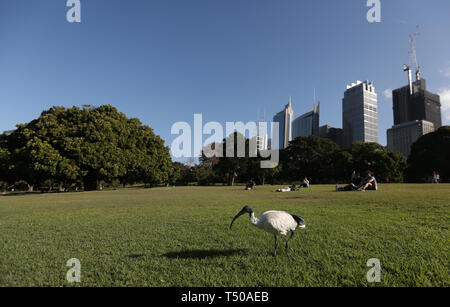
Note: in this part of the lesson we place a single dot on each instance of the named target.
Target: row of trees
(323, 161)
(83, 147)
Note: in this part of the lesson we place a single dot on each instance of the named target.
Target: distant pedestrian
(435, 177)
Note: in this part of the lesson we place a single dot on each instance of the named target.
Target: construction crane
(413, 63)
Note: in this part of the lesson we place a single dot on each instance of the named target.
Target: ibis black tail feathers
(300, 221)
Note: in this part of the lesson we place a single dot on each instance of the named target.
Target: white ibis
(275, 222)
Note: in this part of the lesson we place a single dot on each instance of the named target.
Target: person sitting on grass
(435, 177)
(250, 185)
(305, 183)
(369, 183)
(354, 184)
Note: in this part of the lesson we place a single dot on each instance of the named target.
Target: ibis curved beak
(243, 211)
(235, 218)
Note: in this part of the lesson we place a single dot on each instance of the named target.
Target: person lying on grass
(289, 189)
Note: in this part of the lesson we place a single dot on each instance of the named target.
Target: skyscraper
(262, 136)
(416, 105)
(416, 113)
(284, 119)
(307, 124)
(360, 113)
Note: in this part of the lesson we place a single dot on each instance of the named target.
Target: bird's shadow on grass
(203, 254)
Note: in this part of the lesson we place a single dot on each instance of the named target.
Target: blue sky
(164, 60)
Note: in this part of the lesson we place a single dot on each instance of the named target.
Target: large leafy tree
(87, 146)
(430, 153)
(35, 160)
(144, 156)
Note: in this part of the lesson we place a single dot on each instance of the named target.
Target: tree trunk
(30, 188)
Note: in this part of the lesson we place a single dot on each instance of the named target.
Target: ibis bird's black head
(300, 221)
(244, 210)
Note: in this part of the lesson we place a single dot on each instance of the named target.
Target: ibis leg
(276, 245)
(287, 242)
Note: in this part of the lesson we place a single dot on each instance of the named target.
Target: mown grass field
(180, 237)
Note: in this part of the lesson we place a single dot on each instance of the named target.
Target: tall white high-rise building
(262, 136)
(284, 119)
(360, 113)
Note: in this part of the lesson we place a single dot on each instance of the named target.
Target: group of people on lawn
(305, 184)
(293, 187)
(369, 182)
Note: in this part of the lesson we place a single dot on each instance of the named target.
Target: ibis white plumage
(275, 222)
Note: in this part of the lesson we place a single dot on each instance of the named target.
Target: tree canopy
(311, 157)
(319, 159)
(85, 146)
(430, 153)
(374, 157)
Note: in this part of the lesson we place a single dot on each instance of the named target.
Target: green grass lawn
(180, 237)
